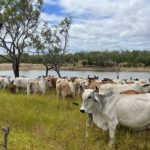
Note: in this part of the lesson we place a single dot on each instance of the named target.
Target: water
(101, 75)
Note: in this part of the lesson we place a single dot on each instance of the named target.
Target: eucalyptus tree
(21, 18)
(52, 43)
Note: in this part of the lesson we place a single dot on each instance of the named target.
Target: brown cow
(92, 84)
(64, 88)
(52, 80)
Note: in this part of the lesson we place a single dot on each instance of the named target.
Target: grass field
(44, 123)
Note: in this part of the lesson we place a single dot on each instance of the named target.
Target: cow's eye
(89, 97)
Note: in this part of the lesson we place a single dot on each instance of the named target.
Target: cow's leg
(63, 95)
(73, 94)
(112, 128)
(78, 92)
(59, 95)
(4, 86)
(89, 123)
(28, 90)
(42, 91)
(17, 89)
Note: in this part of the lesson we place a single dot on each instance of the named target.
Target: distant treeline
(126, 58)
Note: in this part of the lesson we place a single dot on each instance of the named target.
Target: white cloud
(50, 2)
(107, 24)
(51, 17)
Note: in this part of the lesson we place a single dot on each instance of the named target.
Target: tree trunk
(1, 21)
(16, 69)
(58, 72)
(46, 71)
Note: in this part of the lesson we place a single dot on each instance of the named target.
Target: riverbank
(24, 66)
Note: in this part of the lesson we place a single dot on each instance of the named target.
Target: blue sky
(103, 24)
(52, 9)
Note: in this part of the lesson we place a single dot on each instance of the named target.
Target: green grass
(44, 123)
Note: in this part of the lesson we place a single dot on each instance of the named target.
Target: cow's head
(48, 82)
(93, 100)
(83, 85)
(90, 99)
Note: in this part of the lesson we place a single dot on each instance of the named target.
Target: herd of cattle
(107, 102)
(74, 86)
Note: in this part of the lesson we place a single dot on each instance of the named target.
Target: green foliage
(113, 58)
(45, 123)
(52, 43)
(99, 59)
(35, 59)
(21, 18)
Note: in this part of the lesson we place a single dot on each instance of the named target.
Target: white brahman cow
(38, 85)
(118, 88)
(20, 83)
(4, 81)
(108, 110)
(82, 84)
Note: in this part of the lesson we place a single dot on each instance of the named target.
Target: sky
(103, 24)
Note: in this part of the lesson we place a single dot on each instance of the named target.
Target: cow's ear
(97, 97)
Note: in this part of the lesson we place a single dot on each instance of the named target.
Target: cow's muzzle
(82, 110)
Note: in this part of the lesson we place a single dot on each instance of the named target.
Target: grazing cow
(38, 85)
(82, 84)
(52, 80)
(90, 82)
(94, 83)
(65, 88)
(4, 81)
(20, 83)
(108, 110)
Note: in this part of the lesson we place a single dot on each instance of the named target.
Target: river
(101, 75)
